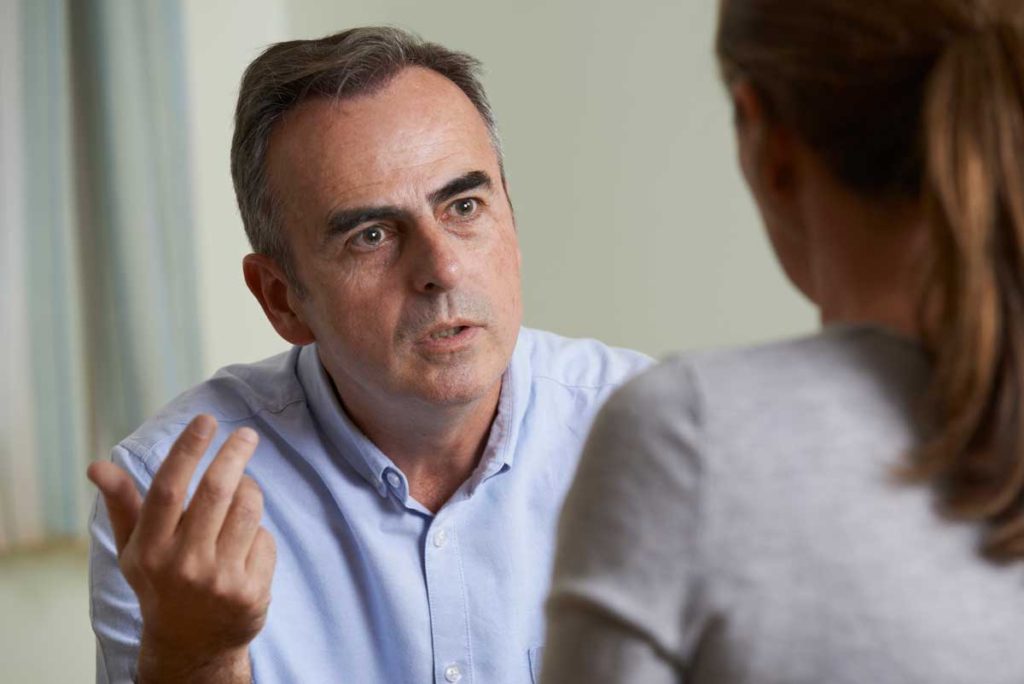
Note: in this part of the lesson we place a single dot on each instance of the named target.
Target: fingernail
(247, 435)
(204, 425)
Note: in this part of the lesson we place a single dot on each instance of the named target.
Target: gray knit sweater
(735, 519)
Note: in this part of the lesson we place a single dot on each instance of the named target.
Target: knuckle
(224, 589)
(256, 596)
(148, 561)
(164, 494)
(248, 514)
(249, 485)
(235, 590)
(189, 571)
(215, 489)
(250, 504)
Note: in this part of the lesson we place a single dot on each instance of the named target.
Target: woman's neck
(867, 259)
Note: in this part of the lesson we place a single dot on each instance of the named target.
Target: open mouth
(448, 332)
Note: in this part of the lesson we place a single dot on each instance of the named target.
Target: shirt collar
(379, 470)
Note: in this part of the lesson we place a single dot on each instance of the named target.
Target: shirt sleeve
(625, 604)
(113, 607)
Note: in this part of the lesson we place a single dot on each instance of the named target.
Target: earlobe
(268, 284)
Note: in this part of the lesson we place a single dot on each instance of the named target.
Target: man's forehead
(416, 130)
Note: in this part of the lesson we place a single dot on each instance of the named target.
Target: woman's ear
(751, 132)
(272, 289)
(768, 154)
(776, 167)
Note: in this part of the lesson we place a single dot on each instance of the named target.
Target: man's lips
(447, 332)
(446, 329)
(449, 336)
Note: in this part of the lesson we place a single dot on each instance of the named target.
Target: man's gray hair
(355, 62)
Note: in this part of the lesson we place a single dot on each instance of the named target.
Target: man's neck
(436, 447)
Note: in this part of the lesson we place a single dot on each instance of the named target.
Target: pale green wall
(223, 37)
(44, 619)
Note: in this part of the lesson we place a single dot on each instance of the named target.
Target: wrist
(163, 666)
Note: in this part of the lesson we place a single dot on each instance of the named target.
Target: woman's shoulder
(844, 354)
(839, 364)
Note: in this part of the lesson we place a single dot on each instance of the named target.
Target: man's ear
(768, 153)
(512, 212)
(508, 198)
(270, 287)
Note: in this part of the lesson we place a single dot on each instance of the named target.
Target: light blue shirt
(369, 585)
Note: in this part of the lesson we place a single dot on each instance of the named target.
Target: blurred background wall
(635, 226)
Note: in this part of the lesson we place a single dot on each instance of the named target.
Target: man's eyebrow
(341, 222)
(467, 181)
(346, 220)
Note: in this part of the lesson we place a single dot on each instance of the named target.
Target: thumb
(122, 499)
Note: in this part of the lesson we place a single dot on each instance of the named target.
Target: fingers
(241, 524)
(262, 558)
(120, 496)
(217, 491)
(162, 508)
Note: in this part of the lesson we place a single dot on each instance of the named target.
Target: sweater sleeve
(625, 604)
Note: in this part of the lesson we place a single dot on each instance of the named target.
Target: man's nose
(436, 260)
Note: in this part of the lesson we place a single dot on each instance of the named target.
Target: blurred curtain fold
(99, 299)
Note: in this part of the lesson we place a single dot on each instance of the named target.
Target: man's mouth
(449, 336)
(447, 332)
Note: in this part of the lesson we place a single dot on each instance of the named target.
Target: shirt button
(440, 539)
(452, 673)
(393, 479)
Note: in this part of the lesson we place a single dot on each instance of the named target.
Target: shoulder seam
(141, 453)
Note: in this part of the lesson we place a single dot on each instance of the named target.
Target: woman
(847, 507)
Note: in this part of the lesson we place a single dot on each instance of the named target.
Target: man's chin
(456, 388)
(447, 396)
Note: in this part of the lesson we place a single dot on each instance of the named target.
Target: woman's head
(921, 102)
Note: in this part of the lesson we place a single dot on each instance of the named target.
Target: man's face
(403, 238)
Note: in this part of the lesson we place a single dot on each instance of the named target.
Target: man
(408, 458)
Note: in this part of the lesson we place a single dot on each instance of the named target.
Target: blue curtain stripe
(109, 281)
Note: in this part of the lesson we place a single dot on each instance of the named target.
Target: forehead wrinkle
(403, 190)
(375, 150)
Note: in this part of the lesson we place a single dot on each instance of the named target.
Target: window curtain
(98, 305)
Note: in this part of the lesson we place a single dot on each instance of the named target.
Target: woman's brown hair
(923, 100)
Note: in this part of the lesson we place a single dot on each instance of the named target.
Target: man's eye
(369, 237)
(464, 208)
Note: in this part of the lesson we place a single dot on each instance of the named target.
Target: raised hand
(202, 575)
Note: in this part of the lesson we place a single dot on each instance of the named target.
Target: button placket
(449, 611)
